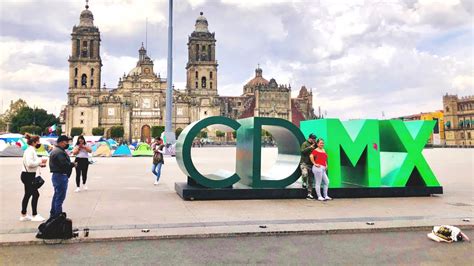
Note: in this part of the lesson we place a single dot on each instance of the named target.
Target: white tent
(89, 139)
(10, 151)
(11, 137)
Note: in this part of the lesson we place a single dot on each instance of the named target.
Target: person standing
(158, 160)
(81, 150)
(319, 158)
(31, 162)
(305, 164)
(61, 166)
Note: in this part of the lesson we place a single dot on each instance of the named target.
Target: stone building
(138, 101)
(438, 136)
(459, 120)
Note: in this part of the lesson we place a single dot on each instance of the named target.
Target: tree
(202, 134)
(27, 116)
(178, 131)
(15, 107)
(98, 131)
(116, 132)
(76, 131)
(220, 134)
(157, 130)
(32, 129)
(3, 124)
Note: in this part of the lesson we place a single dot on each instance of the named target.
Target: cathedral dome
(86, 19)
(201, 23)
(258, 79)
(135, 71)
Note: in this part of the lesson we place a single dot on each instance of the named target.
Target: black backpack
(59, 227)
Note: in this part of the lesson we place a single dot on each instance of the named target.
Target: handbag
(38, 181)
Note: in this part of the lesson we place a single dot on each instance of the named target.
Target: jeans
(320, 176)
(60, 188)
(156, 170)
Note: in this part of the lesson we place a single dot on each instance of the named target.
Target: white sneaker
(156, 183)
(327, 198)
(25, 218)
(77, 190)
(84, 187)
(37, 218)
(320, 198)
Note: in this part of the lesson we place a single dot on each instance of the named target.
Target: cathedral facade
(138, 102)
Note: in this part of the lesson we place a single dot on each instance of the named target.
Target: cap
(312, 136)
(63, 138)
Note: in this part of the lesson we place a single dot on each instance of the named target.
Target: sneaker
(309, 197)
(84, 187)
(156, 183)
(327, 198)
(320, 198)
(25, 218)
(77, 190)
(37, 218)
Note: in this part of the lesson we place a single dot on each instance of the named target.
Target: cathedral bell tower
(85, 63)
(201, 69)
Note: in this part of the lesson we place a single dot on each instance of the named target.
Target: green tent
(41, 151)
(142, 149)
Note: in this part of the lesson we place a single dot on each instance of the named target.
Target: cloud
(359, 57)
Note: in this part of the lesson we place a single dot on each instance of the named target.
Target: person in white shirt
(31, 162)
(81, 150)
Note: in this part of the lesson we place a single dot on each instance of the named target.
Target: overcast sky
(360, 58)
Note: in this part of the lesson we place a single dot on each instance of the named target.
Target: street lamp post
(169, 134)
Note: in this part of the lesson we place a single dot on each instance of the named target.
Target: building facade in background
(459, 119)
(437, 137)
(138, 101)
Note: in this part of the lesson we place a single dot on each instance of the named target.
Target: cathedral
(138, 102)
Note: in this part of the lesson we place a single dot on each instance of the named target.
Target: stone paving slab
(121, 195)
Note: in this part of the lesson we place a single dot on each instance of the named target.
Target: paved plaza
(122, 200)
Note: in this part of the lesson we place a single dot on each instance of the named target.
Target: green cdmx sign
(361, 153)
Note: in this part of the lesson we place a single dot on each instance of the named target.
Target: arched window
(210, 84)
(92, 82)
(75, 72)
(84, 80)
(197, 85)
(136, 103)
(203, 82)
(78, 47)
(210, 75)
(92, 72)
(196, 74)
(209, 53)
(91, 50)
(156, 104)
(75, 83)
(447, 108)
(197, 52)
(84, 49)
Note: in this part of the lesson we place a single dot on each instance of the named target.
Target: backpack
(59, 227)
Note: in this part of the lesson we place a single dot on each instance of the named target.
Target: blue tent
(112, 142)
(122, 151)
